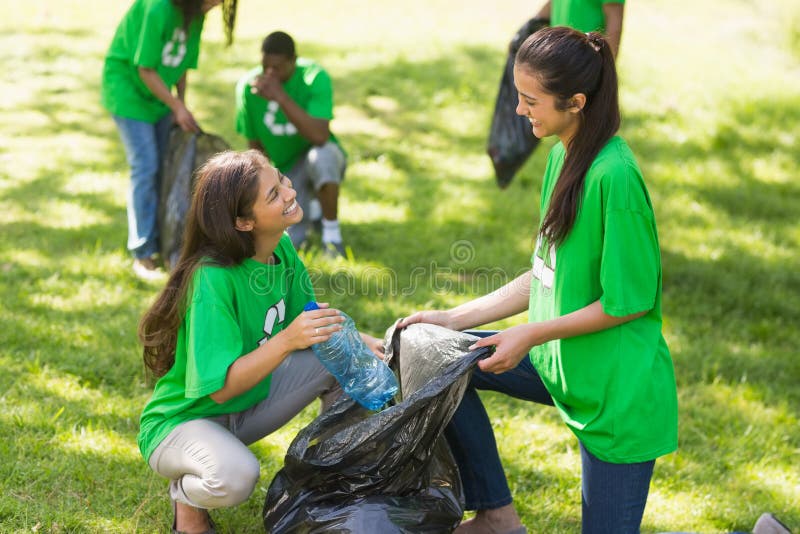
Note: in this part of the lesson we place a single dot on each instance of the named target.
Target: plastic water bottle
(362, 375)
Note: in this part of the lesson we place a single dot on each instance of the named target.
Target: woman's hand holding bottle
(315, 326)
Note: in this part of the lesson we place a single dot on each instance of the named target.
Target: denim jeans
(144, 144)
(613, 495)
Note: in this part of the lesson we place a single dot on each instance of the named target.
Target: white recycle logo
(175, 49)
(544, 263)
(275, 128)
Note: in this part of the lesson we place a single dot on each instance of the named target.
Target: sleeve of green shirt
(149, 45)
(214, 337)
(321, 103)
(631, 260)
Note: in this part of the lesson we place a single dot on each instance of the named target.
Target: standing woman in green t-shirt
(226, 337)
(593, 297)
(604, 16)
(156, 42)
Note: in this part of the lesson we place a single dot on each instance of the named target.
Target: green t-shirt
(583, 15)
(150, 35)
(231, 312)
(615, 388)
(263, 120)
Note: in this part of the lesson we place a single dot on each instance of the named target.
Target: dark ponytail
(567, 62)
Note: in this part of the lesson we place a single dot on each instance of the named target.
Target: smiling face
(275, 208)
(542, 109)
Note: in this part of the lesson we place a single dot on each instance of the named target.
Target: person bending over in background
(593, 346)
(226, 337)
(156, 42)
(604, 16)
(284, 109)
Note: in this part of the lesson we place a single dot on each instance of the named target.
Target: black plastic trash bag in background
(356, 471)
(511, 140)
(185, 153)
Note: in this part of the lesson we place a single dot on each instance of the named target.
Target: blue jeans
(144, 144)
(613, 495)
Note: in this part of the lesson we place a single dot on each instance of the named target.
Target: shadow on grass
(735, 311)
(750, 132)
(733, 317)
(60, 485)
(76, 472)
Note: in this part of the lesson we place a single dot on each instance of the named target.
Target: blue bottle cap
(310, 305)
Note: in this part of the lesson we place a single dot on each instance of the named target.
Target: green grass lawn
(710, 93)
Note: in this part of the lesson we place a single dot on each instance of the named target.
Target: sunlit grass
(710, 103)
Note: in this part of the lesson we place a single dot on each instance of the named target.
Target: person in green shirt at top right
(593, 346)
(604, 16)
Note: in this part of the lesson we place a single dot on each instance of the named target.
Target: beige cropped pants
(207, 460)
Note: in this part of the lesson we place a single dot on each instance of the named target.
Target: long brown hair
(227, 188)
(567, 62)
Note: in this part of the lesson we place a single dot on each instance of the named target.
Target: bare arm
(513, 344)
(509, 300)
(181, 87)
(156, 85)
(613, 14)
(252, 368)
(247, 371)
(317, 131)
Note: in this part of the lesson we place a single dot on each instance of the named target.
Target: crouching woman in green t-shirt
(593, 296)
(225, 337)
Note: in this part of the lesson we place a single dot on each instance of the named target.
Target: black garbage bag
(511, 140)
(185, 153)
(356, 471)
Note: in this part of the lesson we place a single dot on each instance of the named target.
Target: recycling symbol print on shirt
(175, 49)
(277, 129)
(544, 263)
